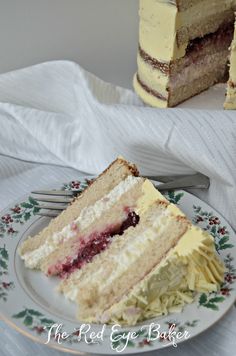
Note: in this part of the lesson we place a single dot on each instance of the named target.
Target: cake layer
(34, 250)
(93, 233)
(168, 40)
(205, 25)
(99, 288)
(187, 90)
(203, 65)
(230, 102)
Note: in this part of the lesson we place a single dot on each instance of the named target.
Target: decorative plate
(29, 303)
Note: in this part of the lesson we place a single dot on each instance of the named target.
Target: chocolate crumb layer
(150, 91)
(162, 66)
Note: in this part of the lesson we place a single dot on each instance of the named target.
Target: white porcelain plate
(29, 302)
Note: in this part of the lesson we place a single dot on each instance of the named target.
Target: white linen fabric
(57, 120)
(57, 113)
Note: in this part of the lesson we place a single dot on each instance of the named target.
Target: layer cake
(183, 48)
(123, 252)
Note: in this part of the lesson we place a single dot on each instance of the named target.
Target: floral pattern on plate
(35, 320)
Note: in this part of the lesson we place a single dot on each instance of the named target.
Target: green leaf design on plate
(5, 286)
(210, 302)
(46, 321)
(36, 210)
(20, 315)
(224, 240)
(28, 321)
(18, 216)
(191, 324)
(33, 201)
(27, 216)
(226, 246)
(203, 299)
(178, 197)
(4, 253)
(130, 343)
(34, 320)
(174, 197)
(26, 205)
(3, 264)
(212, 224)
(216, 300)
(34, 312)
(211, 306)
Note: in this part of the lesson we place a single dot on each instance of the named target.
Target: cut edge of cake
(230, 102)
(35, 250)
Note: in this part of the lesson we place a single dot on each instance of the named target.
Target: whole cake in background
(230, 102)
(183, 48)
(123, 252)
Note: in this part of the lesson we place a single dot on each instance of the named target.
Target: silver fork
(59, 199)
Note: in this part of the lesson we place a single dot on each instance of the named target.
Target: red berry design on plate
(75, 185)
(214, 220)
(199, 219)
(225, 291)
(39, 329)
(229, 278)
(145, 342)
(76, 333)
(6, 285)
(11, 230)
(222, 231)
(16, 210)
(7, 219)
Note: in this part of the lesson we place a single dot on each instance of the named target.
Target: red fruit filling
(98, 242)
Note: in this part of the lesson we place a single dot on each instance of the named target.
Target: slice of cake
(125, 254)
(85, 223)
(230, 103)
(183, 48)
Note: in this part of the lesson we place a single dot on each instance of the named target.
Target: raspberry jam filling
(97, 243)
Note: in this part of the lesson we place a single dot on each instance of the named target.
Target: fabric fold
(57, 113)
